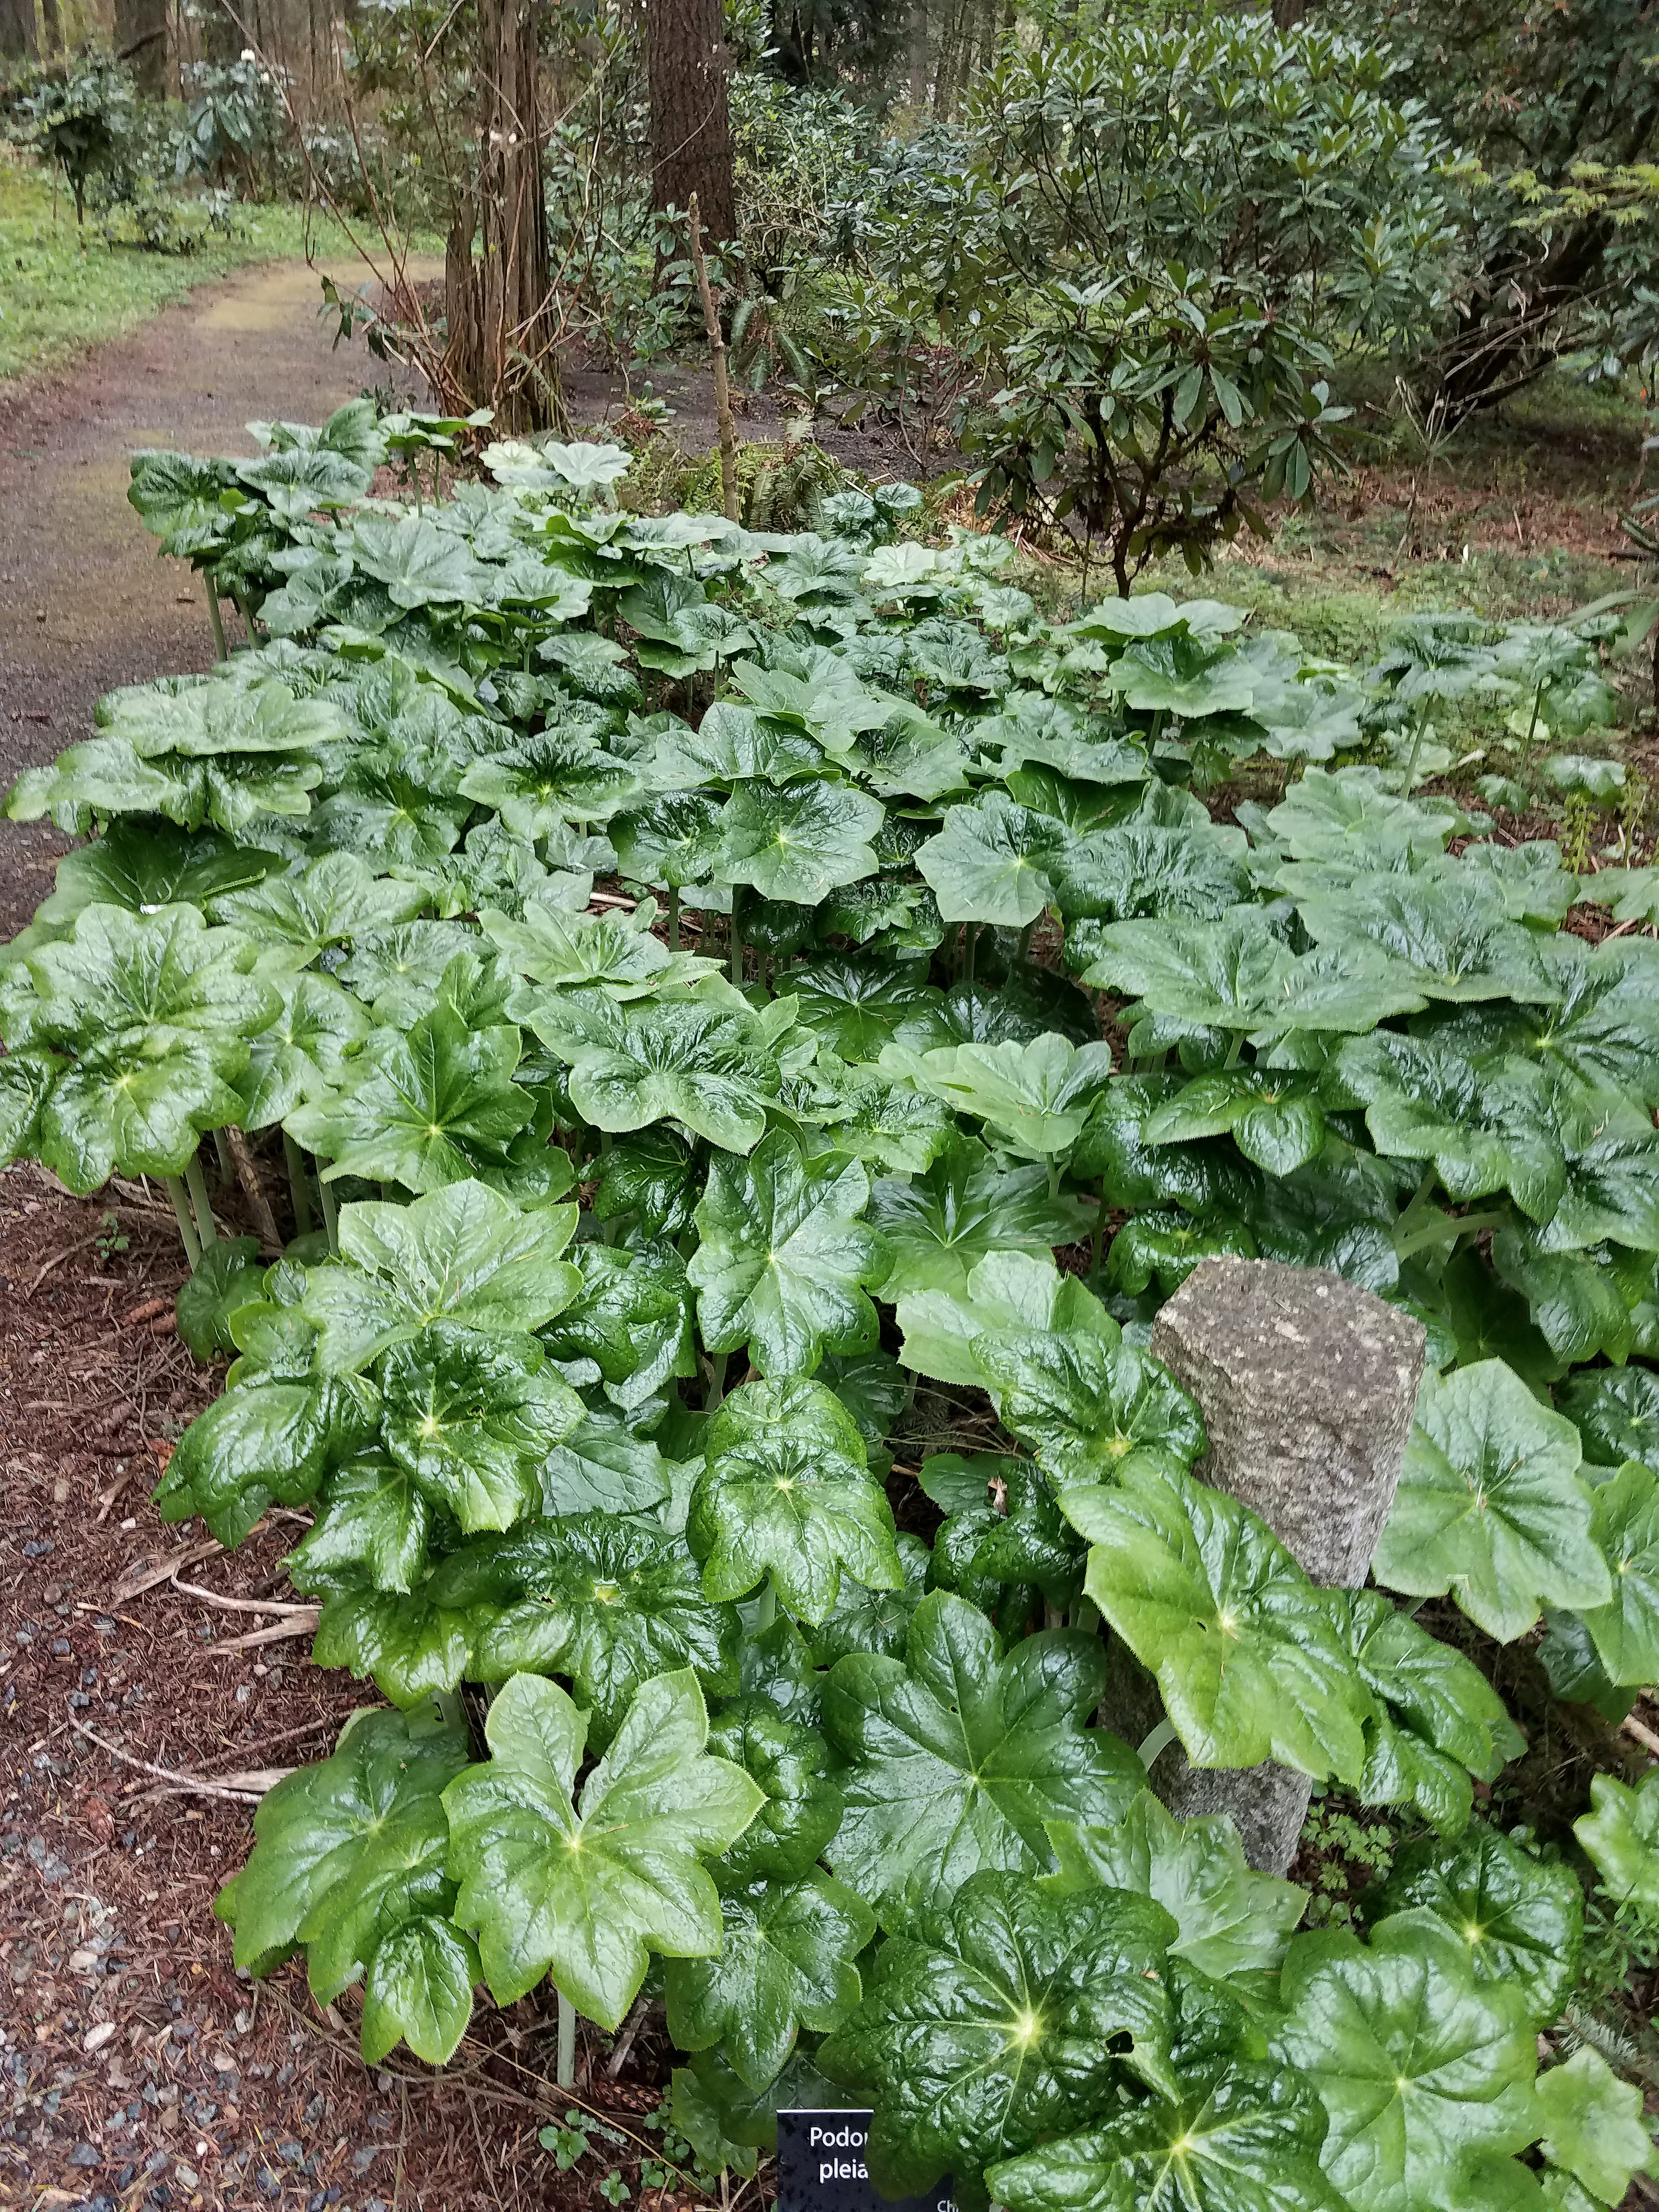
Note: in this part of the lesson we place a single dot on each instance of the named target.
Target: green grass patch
(62, 289)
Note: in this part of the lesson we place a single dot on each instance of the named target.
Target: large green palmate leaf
(632, 1319)
(419, 1989)
(348, 1854)
(426, 1110)
(697, 1063)
(472, 1417)
(1033, 1098)
(939, 1224)
(1006, 1292)
(953, 1758)
(1230, 1919)
(786, 1962)
(785, 1264)
(558, 775)
(1521, 1918)
(1091, 1408)
(374, 1525)
(1422, 2068)
(1611, 1154)
(615, 953)
(1448, 929)
(336, 898)
(584, 1886)
(1486, 1127)
(462, 1255)
(803, 1806)
(121, 980)
(1600, 1025)
(1143, 868)
(1238, 974)
(1240, 2138)
(1272, 1116)
(1616, 1412)
(993, 862)
(415, 1647)
(271, 1440)
(1593, 2124)
(1245, 1652)
(1490, 1505)
(604, 1599)
(1625, 1524)
(1621, 1832)
(786, 1493)
(798, 840)
(1438, 1720)
(419, 564)
(306, 1052)
(855, 1002)
(1013, 2014)
(211, 716)
(143, 865)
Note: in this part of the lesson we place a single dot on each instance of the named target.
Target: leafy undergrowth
(66, 289)
(727, 1040)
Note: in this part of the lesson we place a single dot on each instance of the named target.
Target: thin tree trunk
(918, 53)
(141, 41)
(690, 125)
(17, 29)
(502, 323)
(52, 28)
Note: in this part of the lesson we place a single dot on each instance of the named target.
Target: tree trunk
(503, 323)
(17, 29)
(691, 127)
(141, 41)
(52, 28)
(918, 54)
(1287, 14)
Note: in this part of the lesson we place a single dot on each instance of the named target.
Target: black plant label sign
(821, 2167)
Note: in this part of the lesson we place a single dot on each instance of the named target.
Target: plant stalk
(766, 1611)
(196, 1184)
(330, 1211)
(187, 1236)
(737, 936)
(567, 2064)
(716, 1381)
(673, 917)
(221, 650)
(299, 1189)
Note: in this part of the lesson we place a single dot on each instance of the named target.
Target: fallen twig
(197, 1784)
(138, 1579)
(304, 1619)
(1643, 1734)
(241, 1604)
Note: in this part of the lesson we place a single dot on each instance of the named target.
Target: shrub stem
(196, 1184)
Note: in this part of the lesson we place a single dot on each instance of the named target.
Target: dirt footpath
(85, 601)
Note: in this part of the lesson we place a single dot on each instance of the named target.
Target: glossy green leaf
(1230, 1919)
(786, 1962)
(1490, 1505)
(1621, 1832)
(1422, 2068)
(785, 1264)
(1521, 1918)
(938, 1225)
(472, 1417)
(785, 1495)
(953, 1758)
(1206, 1597)
(1012, 2017)
(583, 1886)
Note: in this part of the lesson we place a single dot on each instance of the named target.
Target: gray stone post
(1307, 1385)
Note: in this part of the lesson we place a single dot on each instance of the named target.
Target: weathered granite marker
(1307, 1385)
